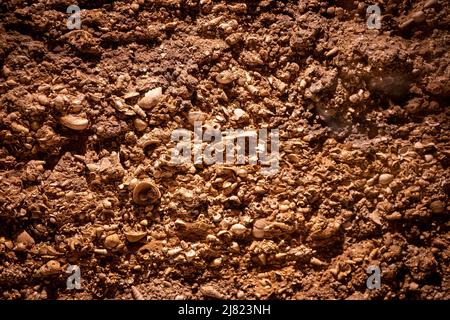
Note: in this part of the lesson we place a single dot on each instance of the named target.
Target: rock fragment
(238, 229)
(151, 98)
(25, 238)
(135, 236)
(385, 178)
(50, 268)
(210, 292)
(112, 241)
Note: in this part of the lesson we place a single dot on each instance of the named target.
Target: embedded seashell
(145, 192)
(74, 122)
(131, 95)
(418, 16)
(151, 98)
(437, 206)
(148, 139)
(135, 236)
(211, 292)
(122, 107)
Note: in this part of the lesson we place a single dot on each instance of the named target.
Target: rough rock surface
(85, 123)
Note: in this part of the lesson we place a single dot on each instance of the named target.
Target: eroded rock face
(87, 175)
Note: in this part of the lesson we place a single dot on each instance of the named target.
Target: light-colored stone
(151, 98)
(51, 267)
(385, 178)
(112, 241)
(238, 229)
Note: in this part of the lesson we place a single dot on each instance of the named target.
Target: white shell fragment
(74, 122)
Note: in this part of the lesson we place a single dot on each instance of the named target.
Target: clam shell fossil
(135, 236)
(145, 192)
(74, 122)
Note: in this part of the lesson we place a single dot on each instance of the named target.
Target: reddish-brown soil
(364, 150)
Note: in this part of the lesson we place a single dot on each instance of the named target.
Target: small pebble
(238, 229)
(211, 292)
(134, 6)
(225, 77)
(140, 124)
(385, 178)
(112, 241)
(25, 239)
(151, 98)
(437, 206)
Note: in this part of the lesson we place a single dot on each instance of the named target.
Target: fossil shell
(437, 206)
(211, 292)
(145, 192)
(136, 293)
(148, 139)
(135, 236)
(74, 122)
(258, 228)
(419, 16)
(140, 125)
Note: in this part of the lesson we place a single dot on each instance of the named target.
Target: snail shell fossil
(146, 192)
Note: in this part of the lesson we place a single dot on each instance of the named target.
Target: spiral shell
(146, 192)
